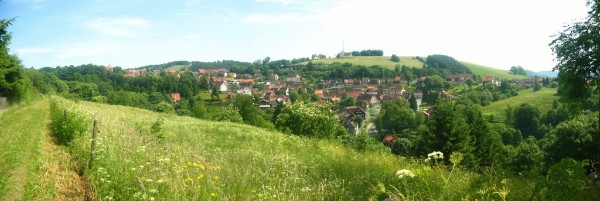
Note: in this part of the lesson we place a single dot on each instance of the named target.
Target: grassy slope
(485, 71)
(542, 99)
(375, 60)
(252, 163)
(178, 67)
(412, 62)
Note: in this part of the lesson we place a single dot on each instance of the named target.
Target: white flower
(404, 172)
(435, 155)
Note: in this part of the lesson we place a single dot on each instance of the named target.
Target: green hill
(383, 61)
(543, 99)
(495, 72)
(411, 61)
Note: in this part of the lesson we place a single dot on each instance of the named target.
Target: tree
(517, 70)
(527, 120)
(577, 49)
(306, 120)
(395, 58)
(215, 93)
(413, 102)
(470, 83)
(250, 113)
(14, 83)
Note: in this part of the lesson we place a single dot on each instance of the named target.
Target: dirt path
(34, 167)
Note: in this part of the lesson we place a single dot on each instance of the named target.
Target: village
(369, 93)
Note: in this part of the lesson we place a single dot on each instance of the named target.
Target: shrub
(67, 124)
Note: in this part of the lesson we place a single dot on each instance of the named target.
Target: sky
(134, 33)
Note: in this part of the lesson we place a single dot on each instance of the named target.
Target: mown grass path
(31, 166)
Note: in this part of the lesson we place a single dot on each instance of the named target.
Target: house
(458, 77)
(364, 81)
(244, 91)
(223, 87)
(264, 104)
(273, 77)
(258, 76)
(357, 111)
(294, 77)
(109, 68)
(320, 94)
(344, 54)
(176, 97)
(492, 80)
(388, 140)
(133, 73)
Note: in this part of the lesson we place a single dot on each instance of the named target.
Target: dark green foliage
(527, 156)
(413, 102)
(447, 63)
(363, 143)
(66, 125)
(228, 114)
(14, 83)
(249, 112)
(517, 70)
(157, 130)
(527, 120)
(565, 179)
(395, 58)
(396, 118)
(537, 87)
(574, 139)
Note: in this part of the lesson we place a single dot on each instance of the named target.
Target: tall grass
(204, 160)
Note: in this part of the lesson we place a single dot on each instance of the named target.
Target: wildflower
(199, 186)
(160, 181)
(153, 191)
(189, 164)
(216, 167)
(200, 176)
(149, 180)
(202, 167)
(189, 179)
(305, 189)
(213, 194)
(151, 198)
(404, 172)
(216, 177)
(435, 155)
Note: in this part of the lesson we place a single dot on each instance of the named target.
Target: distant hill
(383, 61)
(412, 61)
(542, 73)
(482, 71)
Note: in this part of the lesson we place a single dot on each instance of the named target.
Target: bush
(66, 124)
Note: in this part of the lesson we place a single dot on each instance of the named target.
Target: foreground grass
(192, 159)
(542, 99)
(383, 61)
(31, 166)
(489, 71)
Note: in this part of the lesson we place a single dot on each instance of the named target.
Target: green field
(178, 67)
(543, 99)
(383, 61)
(495, 72)
(411, 61)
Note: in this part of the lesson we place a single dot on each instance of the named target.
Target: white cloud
(122, 27)
(284, 2)
(276, 18)
(33, 50)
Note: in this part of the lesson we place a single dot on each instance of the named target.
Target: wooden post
(93, 149)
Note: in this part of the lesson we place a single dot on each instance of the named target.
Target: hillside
(383, 61)
(161, 156)
(495, 72)
(411, 61)
(542, 99)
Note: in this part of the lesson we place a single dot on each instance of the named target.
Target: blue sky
(133, 33)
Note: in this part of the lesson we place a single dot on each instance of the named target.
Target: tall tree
(577, 49)
(14, 83)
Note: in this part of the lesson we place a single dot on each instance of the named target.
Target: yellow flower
(213, 194)
(189, 179)
(199, 186)
(202, 167)
(200, 176)
(195, 164)
(189, 163)
(216, 177)
(216, 167)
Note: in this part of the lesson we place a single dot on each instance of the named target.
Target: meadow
(483, 71)
(143, 155)
(383, 61)
(542, 99)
